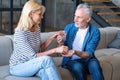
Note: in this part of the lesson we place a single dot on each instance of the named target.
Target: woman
(29, 56)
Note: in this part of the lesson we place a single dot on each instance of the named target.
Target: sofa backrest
(107, 35)
(45, 36)
(6, 45)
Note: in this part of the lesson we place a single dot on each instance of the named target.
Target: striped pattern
(26, 45)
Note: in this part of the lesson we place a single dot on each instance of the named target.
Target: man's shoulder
(93, 27)
(70, 26)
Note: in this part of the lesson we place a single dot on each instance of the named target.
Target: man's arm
(82, 54)
(79, 53)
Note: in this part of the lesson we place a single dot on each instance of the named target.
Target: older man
(82, 39)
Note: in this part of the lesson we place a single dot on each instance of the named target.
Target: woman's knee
(47, 59)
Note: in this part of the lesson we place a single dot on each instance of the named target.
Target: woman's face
(36, 16)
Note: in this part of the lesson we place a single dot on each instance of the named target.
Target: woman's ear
(30, 14)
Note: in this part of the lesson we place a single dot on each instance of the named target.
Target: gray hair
(87, 8)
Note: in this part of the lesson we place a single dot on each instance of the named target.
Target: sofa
(109, 57)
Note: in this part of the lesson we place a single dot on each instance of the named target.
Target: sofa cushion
(4, 71)
(65, 74)
(116, 42)
(109, 59)
(106, 52)
(115, 64)
(21, 78)
(107, 69)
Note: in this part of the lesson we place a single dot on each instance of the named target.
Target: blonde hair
(25, 22)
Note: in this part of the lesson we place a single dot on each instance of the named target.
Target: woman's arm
(45, 44)
(61, 49)
(60, 35)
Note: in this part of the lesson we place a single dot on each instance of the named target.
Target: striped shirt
(26, 45)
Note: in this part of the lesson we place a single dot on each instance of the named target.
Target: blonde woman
(29, 56)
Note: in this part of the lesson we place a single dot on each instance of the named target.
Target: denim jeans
(80, 68)
(43, 67)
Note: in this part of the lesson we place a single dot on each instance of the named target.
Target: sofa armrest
(6, 48)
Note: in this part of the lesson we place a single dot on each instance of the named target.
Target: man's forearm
(82, 54)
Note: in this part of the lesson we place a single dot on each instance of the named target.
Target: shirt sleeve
(93, 42)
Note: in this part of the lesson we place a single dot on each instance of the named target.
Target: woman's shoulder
(19, 33)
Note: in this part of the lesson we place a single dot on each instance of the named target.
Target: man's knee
(77, 68)
(94, 66)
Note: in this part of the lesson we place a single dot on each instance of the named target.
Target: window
(58, 14)
(9, 14)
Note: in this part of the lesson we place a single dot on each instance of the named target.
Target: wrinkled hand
(60, 40)
(69, 53)
(62, 49)
(61, 37)
(56, 34)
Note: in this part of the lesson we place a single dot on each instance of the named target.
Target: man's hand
(61, 37)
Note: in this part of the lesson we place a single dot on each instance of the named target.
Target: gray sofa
(109, 57)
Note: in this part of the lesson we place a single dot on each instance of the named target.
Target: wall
(58, 13)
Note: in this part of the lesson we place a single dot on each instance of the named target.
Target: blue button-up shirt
(90, 42)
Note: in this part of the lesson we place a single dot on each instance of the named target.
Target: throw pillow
(116, 42)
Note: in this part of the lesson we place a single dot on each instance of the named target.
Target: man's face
(81, 18)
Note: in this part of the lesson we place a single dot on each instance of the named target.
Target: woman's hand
(70, 53)
(62, 50)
